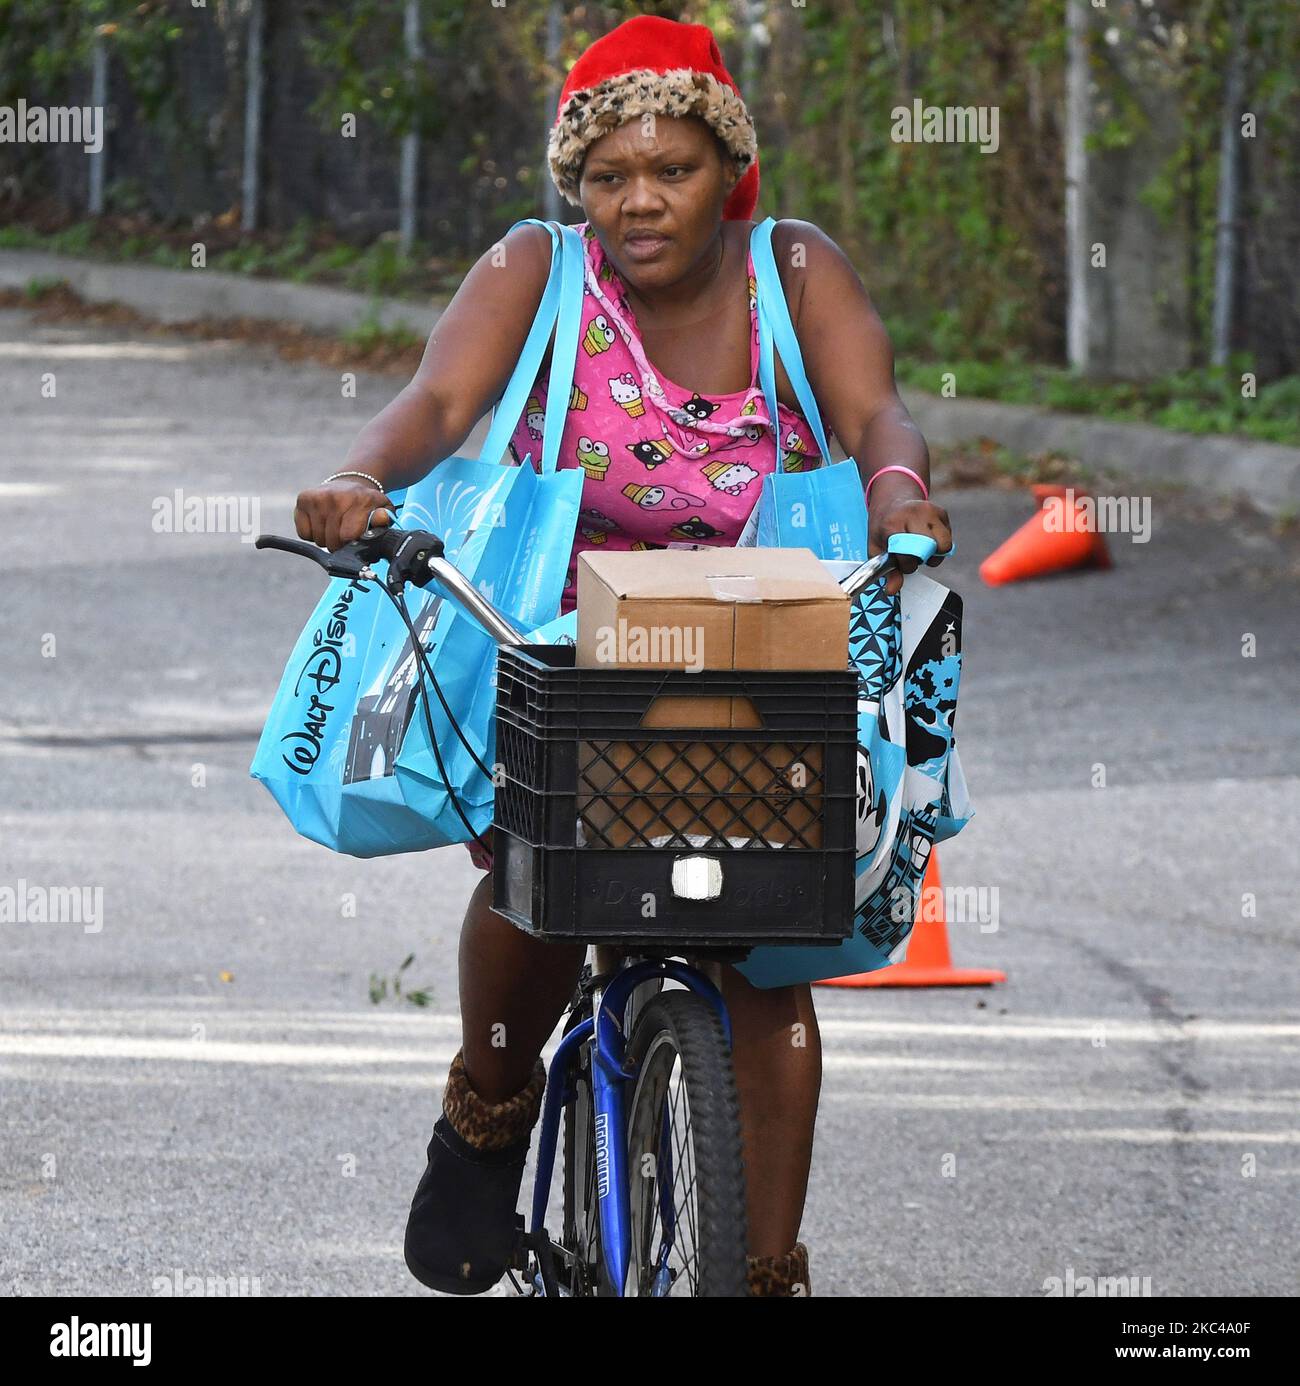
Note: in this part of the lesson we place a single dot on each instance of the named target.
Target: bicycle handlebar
(901, 545)
(417, 556)
(413, 555)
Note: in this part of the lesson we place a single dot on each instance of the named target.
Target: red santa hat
(660, 66)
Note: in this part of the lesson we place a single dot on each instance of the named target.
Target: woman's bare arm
(467, 361)
(850, 366)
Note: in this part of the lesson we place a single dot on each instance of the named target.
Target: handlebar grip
(918, 546)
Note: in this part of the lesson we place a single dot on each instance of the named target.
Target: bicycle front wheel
(685, 1168)
(580, 1236)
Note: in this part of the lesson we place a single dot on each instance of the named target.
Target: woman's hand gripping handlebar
(900, 545)
(412, 555)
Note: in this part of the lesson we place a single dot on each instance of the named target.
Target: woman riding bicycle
(653, 141)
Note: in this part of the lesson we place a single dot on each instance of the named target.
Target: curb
(175, 296)
(1266, 475)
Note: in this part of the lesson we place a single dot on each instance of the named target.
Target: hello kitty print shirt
(664, 465)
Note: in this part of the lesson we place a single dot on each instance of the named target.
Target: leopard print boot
(780, 1276)
(463, 1229)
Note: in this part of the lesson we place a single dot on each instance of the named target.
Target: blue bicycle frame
(609, 1076)
(609, 1071)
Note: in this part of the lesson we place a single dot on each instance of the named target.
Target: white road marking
(1160, 1136)
(98, 351)
(16, 490)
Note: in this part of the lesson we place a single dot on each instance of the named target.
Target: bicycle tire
(680, 1033)
(580, 1228)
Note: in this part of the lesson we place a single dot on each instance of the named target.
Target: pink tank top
(664, 465)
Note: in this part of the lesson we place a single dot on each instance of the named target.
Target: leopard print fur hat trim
(651, 65)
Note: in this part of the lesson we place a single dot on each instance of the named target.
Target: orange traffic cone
(928, 962)
(1061, 535)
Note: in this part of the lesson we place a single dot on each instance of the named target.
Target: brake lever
(342, 562)
(408, 552)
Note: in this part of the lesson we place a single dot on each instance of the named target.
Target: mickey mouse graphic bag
(345, 750)
(907, 652)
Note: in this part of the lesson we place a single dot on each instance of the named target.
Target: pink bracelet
(925, 490)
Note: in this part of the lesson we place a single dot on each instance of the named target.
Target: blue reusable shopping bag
(345, 750)
(907, 652)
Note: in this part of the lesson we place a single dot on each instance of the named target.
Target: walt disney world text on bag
(345, 750)
(907, 650)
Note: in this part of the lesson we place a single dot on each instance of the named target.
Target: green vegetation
(1194, 401)
(982, 461)
(383, 988)
(369, 337)
(964, 254)
(1203, 400)
(306, 254)
(42, 287)
(968, 250)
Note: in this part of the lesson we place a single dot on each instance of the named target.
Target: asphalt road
(201, 1085)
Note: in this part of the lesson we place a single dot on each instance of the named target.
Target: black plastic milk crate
(593, 806)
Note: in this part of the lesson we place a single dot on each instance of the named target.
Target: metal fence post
(409, 178)
(99, 99)
(1229, 195)
(251, 183)
(1078, 316)
(552, 207)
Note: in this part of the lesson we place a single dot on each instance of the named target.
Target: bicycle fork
(609, 1076)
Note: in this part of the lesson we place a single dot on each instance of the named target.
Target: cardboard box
(711, 609)
(705, 609)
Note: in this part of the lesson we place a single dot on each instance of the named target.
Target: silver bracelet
(365, 476)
